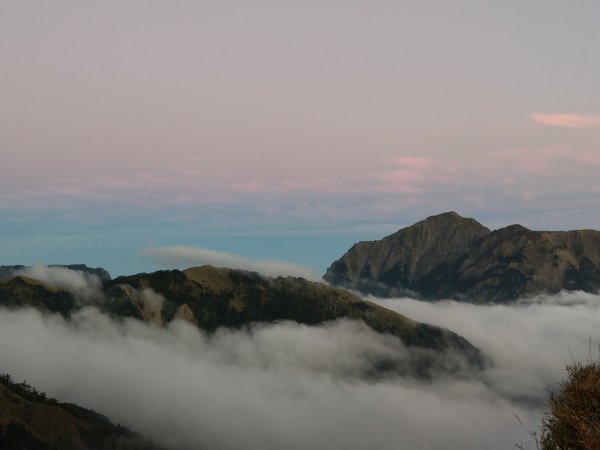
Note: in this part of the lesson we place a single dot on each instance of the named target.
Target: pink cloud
(414, 162)
(567, 120)
(311, 183)
(252, 186)
(522, 174)
(410, 175)
(540, 161)
(400, 181)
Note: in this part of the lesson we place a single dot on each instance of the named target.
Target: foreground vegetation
(30, 420)
(573, 418)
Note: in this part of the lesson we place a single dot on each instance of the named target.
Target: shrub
(573, 419)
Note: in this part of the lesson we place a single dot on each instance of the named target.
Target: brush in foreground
(573, 420)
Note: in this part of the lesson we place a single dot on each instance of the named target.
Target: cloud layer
(530, 342)
(183, 257)
(269, 387)
(567, 120)
(85, 286)
(286, 385)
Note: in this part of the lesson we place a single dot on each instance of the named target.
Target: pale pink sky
(335, 112)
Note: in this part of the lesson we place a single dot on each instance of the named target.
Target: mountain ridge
(449, 256)
(210, 298)
(11, 271)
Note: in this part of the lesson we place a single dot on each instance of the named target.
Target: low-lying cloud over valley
(286, 385)
(530, 342)
(278, 386)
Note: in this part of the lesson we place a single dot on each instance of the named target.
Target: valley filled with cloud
(287, 385)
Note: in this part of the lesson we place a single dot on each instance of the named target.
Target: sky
(287, 131)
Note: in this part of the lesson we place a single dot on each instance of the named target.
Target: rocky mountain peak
(398, 261)
(449, 256)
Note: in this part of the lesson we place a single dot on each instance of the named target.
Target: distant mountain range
(449, 256)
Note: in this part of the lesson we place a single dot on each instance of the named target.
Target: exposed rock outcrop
(449, 256)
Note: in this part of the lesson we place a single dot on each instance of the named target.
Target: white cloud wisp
(184, 257)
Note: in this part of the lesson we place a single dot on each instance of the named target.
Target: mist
(286, 385)
(84, 286)
(183, 257)
(530, 342)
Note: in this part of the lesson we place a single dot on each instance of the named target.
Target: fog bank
(530, 341)
(267, 387)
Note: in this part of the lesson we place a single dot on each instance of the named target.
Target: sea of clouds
(292, 386)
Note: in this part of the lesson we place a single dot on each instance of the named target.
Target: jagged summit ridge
(403, 258)
(449, 256)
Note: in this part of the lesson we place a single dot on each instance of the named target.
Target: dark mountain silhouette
(29, 420)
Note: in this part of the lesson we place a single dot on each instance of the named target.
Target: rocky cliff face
(448, 256)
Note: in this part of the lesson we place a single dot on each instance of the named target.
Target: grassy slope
(234, 298)
(215, 297)
(22, 291)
